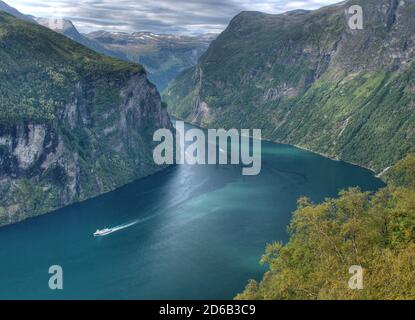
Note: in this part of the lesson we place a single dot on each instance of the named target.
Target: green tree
(375, 231)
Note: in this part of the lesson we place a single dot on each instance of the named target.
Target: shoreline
(52, 211)
(327, 156)
(377, 175)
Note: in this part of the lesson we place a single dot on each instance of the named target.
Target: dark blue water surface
(199, 231)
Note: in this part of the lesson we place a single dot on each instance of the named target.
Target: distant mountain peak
(103, 33)
(57, 24)
(67, 28)
(163, 55)
(14, 12)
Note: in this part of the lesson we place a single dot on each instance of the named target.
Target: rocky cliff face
(306, 78)
(83, 124)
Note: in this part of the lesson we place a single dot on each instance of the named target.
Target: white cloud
(177, 16)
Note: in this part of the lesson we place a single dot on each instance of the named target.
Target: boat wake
(124, 226)
(107, 231)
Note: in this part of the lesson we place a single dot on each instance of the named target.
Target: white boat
(103, 232)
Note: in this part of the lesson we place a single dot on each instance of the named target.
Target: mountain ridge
(163, 55)
(68, 29)
(163, 59)
(14, 12)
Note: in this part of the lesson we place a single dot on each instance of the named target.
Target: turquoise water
(189, 232)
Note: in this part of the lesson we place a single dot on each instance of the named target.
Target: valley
(144, 156)
(190, 226)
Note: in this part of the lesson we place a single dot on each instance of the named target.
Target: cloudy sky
(161, 16)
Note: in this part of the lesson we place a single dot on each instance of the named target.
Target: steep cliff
(73, 124)
(306, 78)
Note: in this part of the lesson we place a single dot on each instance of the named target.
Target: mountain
(14, 12)
(66, 27)
(307, 79)
(163, 55)
(73, 124)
